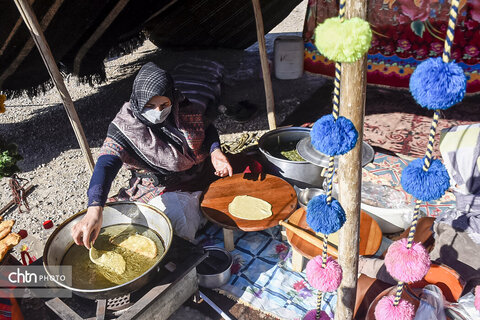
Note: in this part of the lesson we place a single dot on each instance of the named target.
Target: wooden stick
(308, 237)
(12, 202)
(352, 106)
(267, 81)
(37, 34)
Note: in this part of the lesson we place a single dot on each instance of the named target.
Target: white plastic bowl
(390, 220)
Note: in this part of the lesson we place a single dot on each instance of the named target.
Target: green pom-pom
(344, 41)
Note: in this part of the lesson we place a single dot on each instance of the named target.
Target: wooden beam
(352, 106)
(27, 47)
(37, 34)
(267, 80)
(77, 62)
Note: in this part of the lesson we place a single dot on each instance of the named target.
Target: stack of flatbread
(8, 239)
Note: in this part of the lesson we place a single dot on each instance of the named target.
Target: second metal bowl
(215, 270)
(307, 194)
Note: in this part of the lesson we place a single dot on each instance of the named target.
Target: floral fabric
(405, 32)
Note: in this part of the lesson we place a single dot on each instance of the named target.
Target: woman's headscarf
(165, 147)
(150, 81)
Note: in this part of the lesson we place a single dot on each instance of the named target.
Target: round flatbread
(112, 261)
(137, 243)
(250, 208)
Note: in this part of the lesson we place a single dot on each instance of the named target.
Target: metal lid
(309, 153)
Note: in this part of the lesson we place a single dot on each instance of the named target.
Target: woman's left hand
(220, 164)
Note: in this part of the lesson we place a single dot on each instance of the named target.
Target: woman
(162, 140)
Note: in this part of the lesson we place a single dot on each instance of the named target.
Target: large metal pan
(115, 213)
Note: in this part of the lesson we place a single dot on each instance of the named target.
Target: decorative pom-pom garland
(312, 315)
(477, 298)
(326, 279)
(407, 265)
(333, 137)
(323, 217)
(425, 185)
(345, 41)
(438, 85)
(386, 310)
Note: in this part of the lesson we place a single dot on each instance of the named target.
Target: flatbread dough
(250, 208)
(112, 261)
(137, 243)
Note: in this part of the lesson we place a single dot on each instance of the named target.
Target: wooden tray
(272, 189)
(370, 235)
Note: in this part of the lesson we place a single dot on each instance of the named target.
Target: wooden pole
(37, 34)
(267, 80)
(352, 106)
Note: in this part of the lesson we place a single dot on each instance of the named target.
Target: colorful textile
(403, 133)
(386, 170)
(405, 32)
(160, 148)
(262, 275)
(144, 189)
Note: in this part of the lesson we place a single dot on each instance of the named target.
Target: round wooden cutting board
(370, 235)
(272, 189)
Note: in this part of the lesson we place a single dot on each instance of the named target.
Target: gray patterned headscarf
(150, 81)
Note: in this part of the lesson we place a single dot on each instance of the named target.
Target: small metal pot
(302, 174)
(215, 270)
(115, 213)
(305, 195)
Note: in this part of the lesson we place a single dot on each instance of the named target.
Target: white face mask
(155, 116)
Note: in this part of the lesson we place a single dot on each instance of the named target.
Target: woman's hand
(87, 230)
(220, 164)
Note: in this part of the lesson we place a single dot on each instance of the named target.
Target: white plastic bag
(431, 304)
(183, 210)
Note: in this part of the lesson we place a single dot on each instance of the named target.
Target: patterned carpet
(394, 122)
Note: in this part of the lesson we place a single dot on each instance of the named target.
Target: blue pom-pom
(325, 218)
(425, 185)
(332, 137)
(438, 85)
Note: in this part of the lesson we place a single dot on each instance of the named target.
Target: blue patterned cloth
(262, 275)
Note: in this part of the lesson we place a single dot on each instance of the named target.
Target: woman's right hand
(87, 230)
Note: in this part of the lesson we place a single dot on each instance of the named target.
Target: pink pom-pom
(312, 315)
(385, 310)
(324, 279)
(477, 298)
(407, 265)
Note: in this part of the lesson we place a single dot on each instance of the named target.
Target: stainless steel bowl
(305, 195)
(302, 174)
(219, 264)
(115, 213)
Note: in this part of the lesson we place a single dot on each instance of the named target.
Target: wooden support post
(352, 106)
(267, 81)
(298, 261)
(228, 239)
(37, 34)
